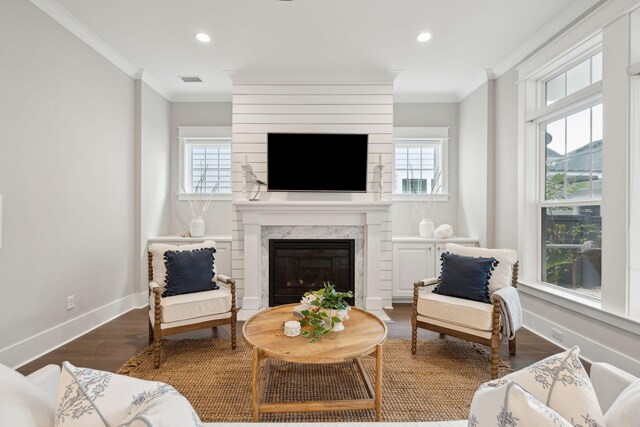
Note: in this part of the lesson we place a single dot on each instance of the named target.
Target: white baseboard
(590, 349)
(141, 299)
(31, 348)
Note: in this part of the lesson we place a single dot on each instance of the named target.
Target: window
(208, 166)
(420, 160)
(205, 161)
(416, 165)
(574, 79)
(570, 173)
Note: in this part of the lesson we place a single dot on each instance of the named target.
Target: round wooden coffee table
(363, 335)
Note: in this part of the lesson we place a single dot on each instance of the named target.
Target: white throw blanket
(510, 311)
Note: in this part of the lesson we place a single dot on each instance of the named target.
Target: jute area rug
(434, 385)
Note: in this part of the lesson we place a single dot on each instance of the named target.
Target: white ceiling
(301, 38)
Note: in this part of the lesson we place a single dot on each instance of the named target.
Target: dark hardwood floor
(110, 345)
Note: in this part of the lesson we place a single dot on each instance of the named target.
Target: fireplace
(299, 265)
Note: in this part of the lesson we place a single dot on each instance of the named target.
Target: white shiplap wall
(260, 108)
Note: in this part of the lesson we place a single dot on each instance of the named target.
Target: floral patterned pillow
(504, 403)
(561, 383)
(91, 397)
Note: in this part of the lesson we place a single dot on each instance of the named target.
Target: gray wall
(475, 164)
(218, 218)
(505, 217)
(405, 216)
(66, 173)
(152, 173)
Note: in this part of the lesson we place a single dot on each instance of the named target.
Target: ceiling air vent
(191, 79)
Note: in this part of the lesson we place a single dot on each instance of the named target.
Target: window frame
(567, 65)
(219, 134)
(541, 197)
(436, 137)
(535, 115)
(578, 103)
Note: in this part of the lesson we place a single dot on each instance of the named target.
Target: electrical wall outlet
(71, 302)
(557, 334)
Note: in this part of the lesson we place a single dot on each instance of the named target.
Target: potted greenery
(327, 309)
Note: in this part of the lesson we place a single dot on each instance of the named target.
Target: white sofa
(608, 382)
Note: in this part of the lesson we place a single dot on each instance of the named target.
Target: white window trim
(633, 261)
(410, 133)
(534, 113)
(579, 303)
(198, 132)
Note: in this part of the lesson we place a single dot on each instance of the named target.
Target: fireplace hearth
(300, 265)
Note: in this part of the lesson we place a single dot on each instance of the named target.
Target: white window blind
(416, 162)
(209, 165)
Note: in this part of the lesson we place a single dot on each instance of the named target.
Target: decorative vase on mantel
(197, 227)
(425, 228)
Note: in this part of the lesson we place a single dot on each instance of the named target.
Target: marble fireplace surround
(264, 220)
(314, 232)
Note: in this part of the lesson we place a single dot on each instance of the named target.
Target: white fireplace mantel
(258, 214)
(310, 206)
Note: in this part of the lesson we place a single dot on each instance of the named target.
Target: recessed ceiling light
(423, 37)
(204, 38)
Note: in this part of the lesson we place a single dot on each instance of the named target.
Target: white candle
(380, 160)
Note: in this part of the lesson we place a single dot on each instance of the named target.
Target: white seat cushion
(197, 304)
(503, 272)
(458, 311)
(464, 329)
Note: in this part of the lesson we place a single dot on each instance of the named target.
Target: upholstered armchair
(176, 314)
(474, 321)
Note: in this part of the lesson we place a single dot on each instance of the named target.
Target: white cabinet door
(411, 262)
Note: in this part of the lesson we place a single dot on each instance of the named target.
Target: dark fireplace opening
(297, 266)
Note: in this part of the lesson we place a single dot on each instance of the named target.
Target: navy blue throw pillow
(465, 277)
(189, 271)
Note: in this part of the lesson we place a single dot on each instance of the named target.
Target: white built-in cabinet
(417, 258)
(223, 248)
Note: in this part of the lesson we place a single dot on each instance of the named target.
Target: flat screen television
(317, 162)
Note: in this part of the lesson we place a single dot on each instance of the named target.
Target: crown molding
(139, 74)
(425, 98)
(318, 76)
(553, 29)
(201, 97)
(478, 81)
(72, 24)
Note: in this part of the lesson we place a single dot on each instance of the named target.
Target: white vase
(340, 314)
(425, 228)
(197, 227)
